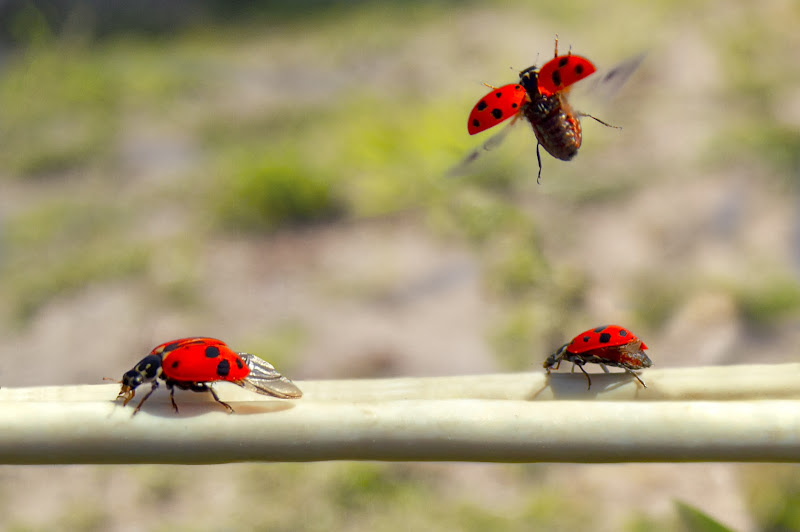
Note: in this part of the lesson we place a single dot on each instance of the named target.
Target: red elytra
(562, 72)
(195, 363)
(610, 345)
(200, 360)
(497, 106)
(602, 337)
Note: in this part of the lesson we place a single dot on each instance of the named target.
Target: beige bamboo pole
(734, 413)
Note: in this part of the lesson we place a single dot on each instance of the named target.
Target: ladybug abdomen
(629, 356)
(557, 128)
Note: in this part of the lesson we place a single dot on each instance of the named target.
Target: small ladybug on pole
(607, 345)
(195, 364)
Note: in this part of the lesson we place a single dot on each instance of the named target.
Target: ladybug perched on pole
(195, 363)
(609, 345)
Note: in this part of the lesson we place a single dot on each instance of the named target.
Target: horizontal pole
(733, 413)
(744, 382)
(445, 430)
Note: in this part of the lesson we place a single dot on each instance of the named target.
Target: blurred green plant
(768, 300)
(61, 246)
(279, 344)
(58, 110)
(266, 193)
(694, 520)
(29, 291)
(773, 496)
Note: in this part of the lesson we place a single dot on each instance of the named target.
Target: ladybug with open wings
(607, 345)
(540, 97)
(195, 363)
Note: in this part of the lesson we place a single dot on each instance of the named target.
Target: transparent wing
(266, 380)
(491, 143)
(604, 84)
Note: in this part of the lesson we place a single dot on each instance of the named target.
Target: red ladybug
(195, 363)
(609, 345)
(541, 98)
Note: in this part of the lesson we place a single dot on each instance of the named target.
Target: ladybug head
(529, 79)
(147, 370)
(555, 358)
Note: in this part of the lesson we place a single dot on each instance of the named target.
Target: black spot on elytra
(498, 94)
(239, 363)
(579, 69)
(482, 105)
(563, 62)
(476, 122)
(556, 78)
(212, 351)
(586, 338)
(605, 338)
(497, 113)
(223, 368)
(623, 332)
(171, 347)
(514, 106)
(517, 87)
(176, 364)
(600, 329)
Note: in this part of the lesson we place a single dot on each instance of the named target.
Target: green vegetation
(773, 496)
(266, 194)
(769, 301)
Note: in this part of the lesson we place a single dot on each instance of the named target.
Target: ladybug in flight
(540, 97)
(609, 345)
(195, 363)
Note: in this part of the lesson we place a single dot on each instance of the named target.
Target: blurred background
(272, 174)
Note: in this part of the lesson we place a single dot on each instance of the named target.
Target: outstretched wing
(491, 143)
(606, 83)
(266, 380)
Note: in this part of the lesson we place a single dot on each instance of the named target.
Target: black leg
(637, 377)
(539, 158)
(172, 396)
(152, 389)
(588, 378)
(595, 118)
(217, 399)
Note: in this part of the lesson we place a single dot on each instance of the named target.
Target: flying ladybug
(540, 97)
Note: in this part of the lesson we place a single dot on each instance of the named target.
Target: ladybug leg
(172, 396)
(202, 387)
(539, 159)
(588, 378)
(597, 119)
(139, 406)
(637, 377)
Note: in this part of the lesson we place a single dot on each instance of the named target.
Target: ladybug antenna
(110, 379)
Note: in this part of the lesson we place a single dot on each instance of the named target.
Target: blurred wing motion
(606, 83)
(491, 143)
(266, 380)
